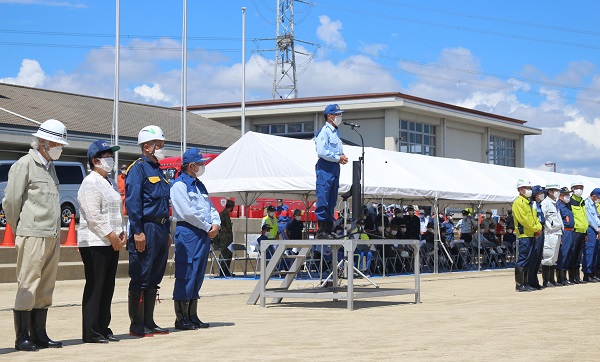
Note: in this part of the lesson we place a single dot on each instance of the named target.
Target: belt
(569, 229)
(184, 223)
(157, 220)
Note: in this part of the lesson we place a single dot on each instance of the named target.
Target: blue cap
(194, 155)
(595, 192)
(100, 146)
(333, 109)
(536, 190)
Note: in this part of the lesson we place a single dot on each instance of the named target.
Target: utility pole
(284, 78)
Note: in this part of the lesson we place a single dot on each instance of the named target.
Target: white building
(391, 121)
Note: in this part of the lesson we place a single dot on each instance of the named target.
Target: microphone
(351, 124)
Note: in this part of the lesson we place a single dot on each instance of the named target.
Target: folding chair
(217, 258)
(239, 254)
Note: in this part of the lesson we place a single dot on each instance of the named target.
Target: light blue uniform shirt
(192, 204)
(329, 144)
(592, 214)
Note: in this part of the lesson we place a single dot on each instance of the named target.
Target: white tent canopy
(272, 166)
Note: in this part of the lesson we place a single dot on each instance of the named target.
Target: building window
(286, 128)
(417, 138)
(502, 151)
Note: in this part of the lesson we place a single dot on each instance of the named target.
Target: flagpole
(116, 96)
(184, 81)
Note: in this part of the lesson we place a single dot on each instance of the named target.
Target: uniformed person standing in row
(581, 227)
(147, 202)
(553, 230)
(225, 237)
(537, 196)
(589, 259)
(32, 207)
(528, 228)
(331, 156)
(565, 251)
(197, 222)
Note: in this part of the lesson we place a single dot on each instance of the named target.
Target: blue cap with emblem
(99, 147)
(333, 109)
(194, 155)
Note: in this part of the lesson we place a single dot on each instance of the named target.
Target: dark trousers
(467, 238)
(565, 253)
(578, 243)
(146, 269)
(192, 246)
(589, 256)
(536, 260)
(100, 266)
(328, 182)
(525, 251)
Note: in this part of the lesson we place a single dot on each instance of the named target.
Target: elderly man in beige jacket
(32, 206)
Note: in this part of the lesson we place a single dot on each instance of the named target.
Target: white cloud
(152, 94)
(30, 74)
(372, 49)
(329, 32)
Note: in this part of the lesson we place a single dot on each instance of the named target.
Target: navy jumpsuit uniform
(147, 203)
(565, 252)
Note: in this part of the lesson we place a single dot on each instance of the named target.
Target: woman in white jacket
(553, 230)
(101, 234)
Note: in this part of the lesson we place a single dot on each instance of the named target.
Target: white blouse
(100, 207)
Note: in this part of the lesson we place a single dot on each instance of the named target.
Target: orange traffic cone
(72, 234)
(9, 238)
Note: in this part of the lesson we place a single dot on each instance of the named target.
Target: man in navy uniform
(589, 258)
(197, 222)
(147, 202)
(331, 156)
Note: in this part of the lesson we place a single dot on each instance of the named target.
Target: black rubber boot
(150, 303)
(22, 341)
(526, 280)
(577, 273)
(519, 278)
(136, 315)
(563, 276)
(37, 329)
(323, 233)
(546, 277)
(182, 318)
(193, 313)
(571, 274)
(551, 273)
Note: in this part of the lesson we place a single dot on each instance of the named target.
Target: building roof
(351, 97)
(86, 115)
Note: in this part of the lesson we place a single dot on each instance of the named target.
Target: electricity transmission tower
(285, 84)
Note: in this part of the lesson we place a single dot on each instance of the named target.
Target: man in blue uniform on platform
(197, 222)
(147, 203)
(331, 156)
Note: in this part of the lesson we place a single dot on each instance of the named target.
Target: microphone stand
(362, 167)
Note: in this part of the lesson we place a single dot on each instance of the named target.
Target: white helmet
(523, 182)
(576, 183)
(150, 133)
(52, 130)
(552, 185)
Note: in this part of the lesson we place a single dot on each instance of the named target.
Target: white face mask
(271, 214)
(578, 192)
(380, 228)
(298, 218)
(337, 120)
(394, 232)
(541, 197)
(430, 230)
(107, 164)
(403, 230)
(556, 194)
(200, 171)
(597, 201)
(159, 154)
(527, 193)
(567, 199)
(54, 152)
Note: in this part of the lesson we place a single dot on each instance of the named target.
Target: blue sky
(532, 60)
